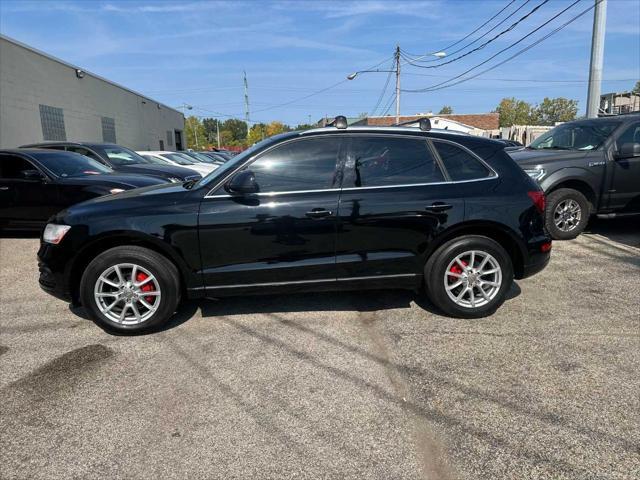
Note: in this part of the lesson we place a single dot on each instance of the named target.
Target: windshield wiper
(189, 184)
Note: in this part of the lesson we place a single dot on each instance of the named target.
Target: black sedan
(36, 184)
(122, 159)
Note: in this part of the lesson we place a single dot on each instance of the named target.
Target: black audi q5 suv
(324, 209)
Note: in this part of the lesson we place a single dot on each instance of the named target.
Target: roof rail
(424, 124)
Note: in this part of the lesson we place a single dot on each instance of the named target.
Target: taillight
(539, 200)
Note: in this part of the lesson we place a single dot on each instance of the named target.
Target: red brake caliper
(147, 287)
(455, 268)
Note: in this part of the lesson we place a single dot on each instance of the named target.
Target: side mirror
(242, 182)
(33, 175)
(628, 150)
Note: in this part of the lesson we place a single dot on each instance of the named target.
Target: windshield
(178, 158)
(68, 164)
(198, 157)
(124, 156)
(156, 160)
(575, 136)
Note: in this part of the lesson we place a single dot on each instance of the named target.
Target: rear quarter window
(460, 164)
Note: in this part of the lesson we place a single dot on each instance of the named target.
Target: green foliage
(514, 112)
(237, 130)
(195, 130)
(636, 89)
(446, 110)
(304, 126)
(553, 110)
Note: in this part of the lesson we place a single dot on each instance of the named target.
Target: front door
(395, 199)
(32, 199)
(625, 178)
(285, 233)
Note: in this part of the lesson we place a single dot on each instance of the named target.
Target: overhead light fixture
(79, 73)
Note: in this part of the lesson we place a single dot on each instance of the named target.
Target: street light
(353, 75)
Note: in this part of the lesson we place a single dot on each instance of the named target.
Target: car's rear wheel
(469, 277)
(567, 213)
(130, 289)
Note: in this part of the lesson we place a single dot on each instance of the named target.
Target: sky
(194, 52)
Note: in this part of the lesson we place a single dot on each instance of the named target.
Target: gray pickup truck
(586, 167)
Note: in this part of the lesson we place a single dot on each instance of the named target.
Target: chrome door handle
(438, 207)
(319, 213)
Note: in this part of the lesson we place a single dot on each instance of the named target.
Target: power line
(518, 53)
(317, 92)
(389, 104)
(382, 93)
(429, 88)
(468, 35)
(493, 39)
(481, 36)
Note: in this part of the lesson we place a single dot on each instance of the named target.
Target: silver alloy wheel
(567, 215)
(127, 293)
(473, 279)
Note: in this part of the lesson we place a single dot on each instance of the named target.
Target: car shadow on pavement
(358, 301)
(624, 230)
(19, 234)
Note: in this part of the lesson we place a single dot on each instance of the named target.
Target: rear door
(283, 235)
(396, 198)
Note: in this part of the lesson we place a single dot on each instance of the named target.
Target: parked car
(323, 209)
(586, 167)
(35, 184)
(121, 159)
(175, 158)
(200, 157)
(216, 157)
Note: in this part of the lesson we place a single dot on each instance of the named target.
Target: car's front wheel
(469, 277)
(130, 289)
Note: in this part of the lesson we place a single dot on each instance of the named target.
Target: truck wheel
(130, 289)
(468, 277)
(567, 213)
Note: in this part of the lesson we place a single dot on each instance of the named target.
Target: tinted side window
(308, 164)
(630, 135)
(384, 161)
(11, 167)
(460, 164)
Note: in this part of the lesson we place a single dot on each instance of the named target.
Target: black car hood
(115, 180)
(527, 157)
(164, 171)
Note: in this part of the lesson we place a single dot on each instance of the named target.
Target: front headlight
(54, 233)
(116, 190)
(535, 173)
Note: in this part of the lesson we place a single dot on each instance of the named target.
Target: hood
(114, 180)
(164, 171)
(202, 168)
(528, 157)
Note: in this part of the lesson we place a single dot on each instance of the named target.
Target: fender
(590, 178)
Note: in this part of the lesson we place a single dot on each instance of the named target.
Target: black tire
(434, 274)
(164, 271)
(557, 197)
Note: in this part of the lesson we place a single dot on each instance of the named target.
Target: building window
(108, 130)
(169, 138)
(52, 119)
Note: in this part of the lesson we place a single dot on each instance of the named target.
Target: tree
(553, 110)
(257, 132)
(210, 129)
(275, 127)
(636, 89)
(446, 110)
(304, 126)
(514, 112)
(236, 131)
(192, 126)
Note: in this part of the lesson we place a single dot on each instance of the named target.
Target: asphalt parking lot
(340, 385)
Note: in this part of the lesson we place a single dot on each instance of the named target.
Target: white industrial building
(43, 98)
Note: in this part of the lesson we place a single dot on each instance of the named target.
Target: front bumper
(53, 283)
